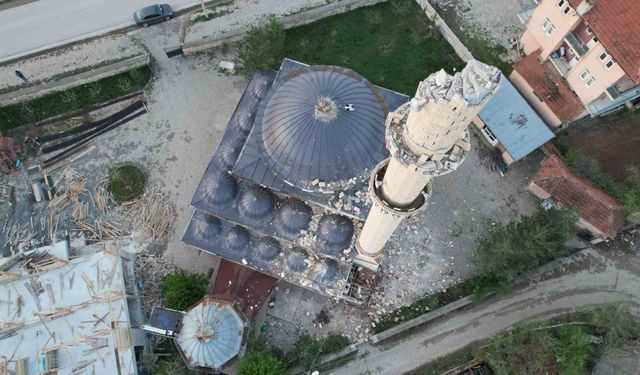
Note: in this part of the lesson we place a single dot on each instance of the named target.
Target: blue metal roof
(512, 120)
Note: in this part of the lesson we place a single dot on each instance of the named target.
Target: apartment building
(582, 57)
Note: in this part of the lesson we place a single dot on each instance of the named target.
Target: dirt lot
(611, 140)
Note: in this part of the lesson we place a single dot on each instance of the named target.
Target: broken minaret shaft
(426, 137)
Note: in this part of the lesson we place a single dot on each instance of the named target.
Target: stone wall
(445, 30)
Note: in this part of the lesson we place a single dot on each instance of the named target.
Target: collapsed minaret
(426, 137)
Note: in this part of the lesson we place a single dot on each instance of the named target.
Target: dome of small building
(335, 231)
(212, 334)
(293, 216)
(237, 238)
(256, 203)
(323, 123)
(268, 249)
(244, 121)
(208, 228)
(295, 260)
(219, 189)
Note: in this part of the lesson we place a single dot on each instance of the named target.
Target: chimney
(585, 6)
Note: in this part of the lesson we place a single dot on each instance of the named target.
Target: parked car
(153, 14)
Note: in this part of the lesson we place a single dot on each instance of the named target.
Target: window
(489, 134)
(566, 10)
(588, 79)
(606, 59)
(548, 26)
(560, 3)
(589, 31)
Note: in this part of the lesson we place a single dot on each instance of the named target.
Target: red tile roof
(616, 24)
(247, 287)
(549, 85)
(594, 206)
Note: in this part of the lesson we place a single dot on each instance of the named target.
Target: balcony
(576, 43)
(604, 104)
(561, 65)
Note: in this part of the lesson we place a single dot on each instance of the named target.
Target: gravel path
(594, 277)
(495, 20)
(80, 56)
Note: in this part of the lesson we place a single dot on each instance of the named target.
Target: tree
(306, 350)
(182, 290)
(261, 362)
(573, 349)
(262, 48)
(173, 365)
(524, 351)
(507, 251)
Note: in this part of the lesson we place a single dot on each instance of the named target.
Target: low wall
(293, 20)
(39, 90)
(422, 319)
(329, 361)
(461, 50)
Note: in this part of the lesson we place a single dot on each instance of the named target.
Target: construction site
(70, 310)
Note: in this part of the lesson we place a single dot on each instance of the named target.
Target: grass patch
(446, 363)
(74, 100)
(482, 49)
(392, 44)
(126, 183)
(479, 286)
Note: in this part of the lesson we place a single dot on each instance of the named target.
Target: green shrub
(126, 183)
(262, 48)
(73, 100)
(182, 290)
(173, 365)
(261, 363)
(334, 343)
(508, 251)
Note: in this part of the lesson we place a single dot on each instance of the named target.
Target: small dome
(326, 270)
(268, 249)
(294, 216)
(208, 228)
(228, 156)
(335, 231)
(237, 239)
(256, 203)
(295, 260)
(244, 121)
(258, 88)
(219, 189)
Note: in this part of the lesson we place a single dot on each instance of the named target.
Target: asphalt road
(45, 24)
(595, 277)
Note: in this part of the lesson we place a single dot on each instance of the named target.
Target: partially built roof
(516, 125)
(286, 189)
(65, 315)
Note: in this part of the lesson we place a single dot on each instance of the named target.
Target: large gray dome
(256, 203)
(237, 239)
(268, 249)
(219, 190)
(295, 260)
(325, 123)
(294, 216)
(335, 231)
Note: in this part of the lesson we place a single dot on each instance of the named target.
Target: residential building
(599, 214)
(510, 125)
(582, 57)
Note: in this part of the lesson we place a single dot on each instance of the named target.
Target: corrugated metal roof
(516, 125)
(211, 334)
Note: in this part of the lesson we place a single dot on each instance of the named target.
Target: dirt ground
(611, 140)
